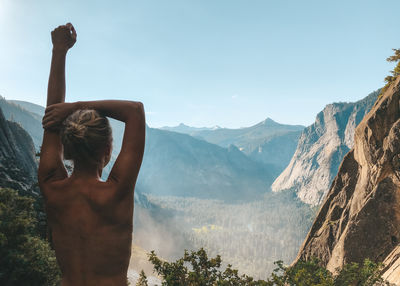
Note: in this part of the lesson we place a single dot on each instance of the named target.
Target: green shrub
(196, 269)
(25, 258)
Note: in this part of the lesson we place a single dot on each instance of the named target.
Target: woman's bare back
(91, 229)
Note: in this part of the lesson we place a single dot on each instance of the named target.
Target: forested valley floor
(250, 236)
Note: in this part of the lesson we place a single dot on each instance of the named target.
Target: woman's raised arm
(63, 38)
(51, 166)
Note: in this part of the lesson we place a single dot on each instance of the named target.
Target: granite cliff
(18, 165)
(321, 148)
(360, 217)
(20, 112)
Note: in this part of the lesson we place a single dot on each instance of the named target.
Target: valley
(211, 187)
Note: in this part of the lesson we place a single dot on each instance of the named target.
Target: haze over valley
(211, 187)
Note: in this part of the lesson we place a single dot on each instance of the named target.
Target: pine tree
(395, 72)
(25, 258)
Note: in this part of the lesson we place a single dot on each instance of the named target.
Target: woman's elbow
(137, 109)
(137, 106)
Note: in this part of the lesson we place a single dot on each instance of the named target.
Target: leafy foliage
(303, 273)
(368, 274)
(25, 258)
(395, 72)
(311, 273)
(201, 271)
(196, 269)
(142, 279)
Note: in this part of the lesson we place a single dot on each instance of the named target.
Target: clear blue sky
(207, 62)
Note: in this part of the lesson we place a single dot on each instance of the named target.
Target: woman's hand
(63, 37)
(55, 114)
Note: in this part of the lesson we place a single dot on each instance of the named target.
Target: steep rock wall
(18, 166)
(360, 217)
(321, 148)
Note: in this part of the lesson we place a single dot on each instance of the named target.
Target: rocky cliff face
(321, 148)
(18, 165)
(30, 121)
(392, 267)
(360, 217)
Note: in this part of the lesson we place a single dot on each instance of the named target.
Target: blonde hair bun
(74, 130)
(85, 134)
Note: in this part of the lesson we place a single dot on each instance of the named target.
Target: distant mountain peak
(187, 129)
(233, 147)
(269, 121)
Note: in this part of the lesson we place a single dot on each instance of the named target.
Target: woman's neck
(86, 170)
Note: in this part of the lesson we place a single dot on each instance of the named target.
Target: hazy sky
(231, 63)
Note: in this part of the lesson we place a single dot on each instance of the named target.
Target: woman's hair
(85, 135)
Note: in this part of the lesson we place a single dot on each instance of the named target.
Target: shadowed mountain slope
(17, 157)
(267, 142)
(176, 164)
(29, 120)
(180, 165)
(31, 107)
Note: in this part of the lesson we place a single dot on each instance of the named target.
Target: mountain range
(267, 142)
(182, 165)
(183, 128)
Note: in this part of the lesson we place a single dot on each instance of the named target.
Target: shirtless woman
(90, 220)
